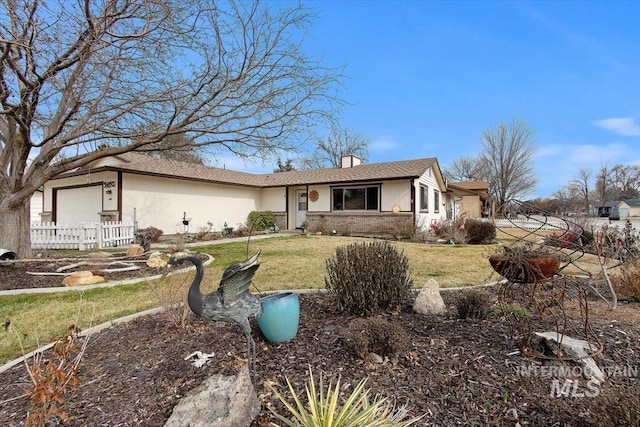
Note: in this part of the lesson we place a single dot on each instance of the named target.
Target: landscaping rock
(157, 260)
(135, 250)
(82, 278)
(575, 348)
(221, 401)
(429, 300)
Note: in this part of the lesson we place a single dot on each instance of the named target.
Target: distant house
(469, 199)
(605, 209)
(628, 208)
(620, 209)
(355, 198)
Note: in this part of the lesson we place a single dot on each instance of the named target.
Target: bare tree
(604, 189)
(177, 147)
(341, 142)
(508, 152)
(581, 185)
(466, 169)
(85, 80)
(565, 199)
(625, 180)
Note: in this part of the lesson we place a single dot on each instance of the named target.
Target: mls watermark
(570, 381)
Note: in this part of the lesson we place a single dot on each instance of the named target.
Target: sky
(425, 78)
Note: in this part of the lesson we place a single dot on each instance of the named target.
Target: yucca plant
(325, 410)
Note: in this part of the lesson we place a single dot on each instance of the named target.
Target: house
(36, 205)
(605, 209)
(628, 208)
(176, 197)
(469, 199)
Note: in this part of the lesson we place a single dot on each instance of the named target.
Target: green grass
(37, 318)
(290, 262)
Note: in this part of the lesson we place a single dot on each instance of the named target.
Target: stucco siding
(162, 203)
(470, 207)
(273, 199)
(396, 193)
(36, 206)
(323, 203)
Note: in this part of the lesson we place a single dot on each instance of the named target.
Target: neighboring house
(353, 199)
(469, 199)
(605, 209)
(628, 208)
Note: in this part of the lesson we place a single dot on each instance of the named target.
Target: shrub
(450, 229)
(171, 293)
(473, 304)
(324, 408)
(478, 232)
(148, 235)
(53, 378)
(261, 220)
(379, 336)
(368, 278)
(628, 283)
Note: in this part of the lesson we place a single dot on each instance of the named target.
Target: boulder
(429, 300)
(135, 250)
(82, 278)
(221, 401)
(157, 260)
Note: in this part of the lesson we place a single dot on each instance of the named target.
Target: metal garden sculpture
(231, 302)
(551, 301)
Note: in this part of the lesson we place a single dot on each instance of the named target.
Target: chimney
(350, 161)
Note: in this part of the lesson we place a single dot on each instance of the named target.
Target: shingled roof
(147, 165)
(470, 185)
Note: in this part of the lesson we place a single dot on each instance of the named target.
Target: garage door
(77, 205)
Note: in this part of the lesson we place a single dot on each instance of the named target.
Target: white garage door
(77, 205)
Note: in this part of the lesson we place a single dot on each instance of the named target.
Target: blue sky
(424, 79)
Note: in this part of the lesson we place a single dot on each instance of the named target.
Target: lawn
(288, 262)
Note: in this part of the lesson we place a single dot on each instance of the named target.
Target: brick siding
(363, 223)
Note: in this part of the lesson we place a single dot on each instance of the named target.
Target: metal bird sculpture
(231, 302)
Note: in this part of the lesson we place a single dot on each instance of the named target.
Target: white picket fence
(83, 236)
(531, 223)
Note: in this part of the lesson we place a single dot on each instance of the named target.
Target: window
(302, 201)
(424, 198)
(355, 198)
(436, 201)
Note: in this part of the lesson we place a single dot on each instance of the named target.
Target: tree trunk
(15, 228)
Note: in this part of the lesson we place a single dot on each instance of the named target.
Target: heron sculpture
(231, 302)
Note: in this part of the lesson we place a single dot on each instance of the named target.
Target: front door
(301, 207)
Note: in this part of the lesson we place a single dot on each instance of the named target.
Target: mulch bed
(16, 275)
(458, 372)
